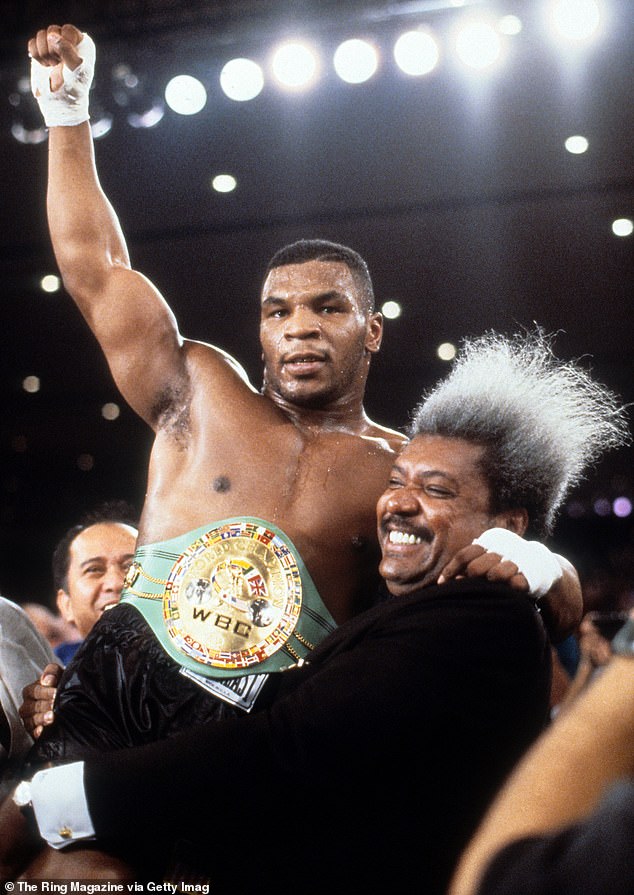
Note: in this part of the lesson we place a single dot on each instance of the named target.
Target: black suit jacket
(368, 767)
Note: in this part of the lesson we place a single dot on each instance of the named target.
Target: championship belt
(236, 600)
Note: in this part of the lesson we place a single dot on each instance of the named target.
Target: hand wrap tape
(535, 561)
(68, 105)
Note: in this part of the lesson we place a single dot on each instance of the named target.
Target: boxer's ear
(375, 332)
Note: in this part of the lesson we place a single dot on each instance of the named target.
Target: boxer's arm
(135, 327)
(527, 566)
(562, 605)
(133, 324)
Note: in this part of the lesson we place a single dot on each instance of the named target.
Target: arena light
(130, 93)
(149, 118)
(622, 507)
(27, 135)
(31, 384)
(224, 183)
(294, 65)
(355, 61)
(478, 45)
(576, 509)
(622, 227)
(416, 53)
(602, 506)
(510, 25)
(391, 310)
(100, 120)
(50, 283)
(85, 462)
(110, 411)
(576, 144)
(26, 125)
(185, 95)
(446, 351)
(576, 20)
(241, 80)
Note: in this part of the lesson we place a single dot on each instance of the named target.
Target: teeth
(401, 537)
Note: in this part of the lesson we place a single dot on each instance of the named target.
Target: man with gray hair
(372, 762)
(543, 423)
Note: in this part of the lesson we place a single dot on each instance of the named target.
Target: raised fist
(56, 46)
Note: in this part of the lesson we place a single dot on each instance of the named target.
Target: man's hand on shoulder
(36, 710)
(475, 561)
(527, 566)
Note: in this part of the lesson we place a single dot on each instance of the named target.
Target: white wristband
(535, 561)
(69, 104)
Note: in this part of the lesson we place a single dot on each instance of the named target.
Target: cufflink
(22, 794)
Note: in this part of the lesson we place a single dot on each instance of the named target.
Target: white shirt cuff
(60, 805)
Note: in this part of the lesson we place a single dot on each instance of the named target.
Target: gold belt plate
(233, 598)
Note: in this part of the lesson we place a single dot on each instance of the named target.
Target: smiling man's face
(437, 501)
(99, 558)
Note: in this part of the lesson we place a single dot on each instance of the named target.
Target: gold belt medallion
(233, 598)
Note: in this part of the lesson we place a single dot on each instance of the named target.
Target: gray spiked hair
(543, 421)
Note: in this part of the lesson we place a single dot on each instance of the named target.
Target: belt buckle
(233, 597)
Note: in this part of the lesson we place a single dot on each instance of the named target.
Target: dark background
(455, 187)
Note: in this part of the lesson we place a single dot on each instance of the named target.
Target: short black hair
(324, 250)
(116, 511)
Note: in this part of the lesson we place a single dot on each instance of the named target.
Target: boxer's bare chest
(319, 487)
(278, 474)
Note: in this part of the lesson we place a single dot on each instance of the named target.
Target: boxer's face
(437, 501)
(316, 334)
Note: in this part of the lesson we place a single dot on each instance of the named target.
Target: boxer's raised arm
(133, 324)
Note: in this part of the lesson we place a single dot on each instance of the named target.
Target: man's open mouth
(403, 537)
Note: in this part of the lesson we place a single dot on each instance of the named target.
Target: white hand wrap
(537, 564)
(68, 105)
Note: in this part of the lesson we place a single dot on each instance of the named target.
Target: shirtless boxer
(292, 471)
(274, 796)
